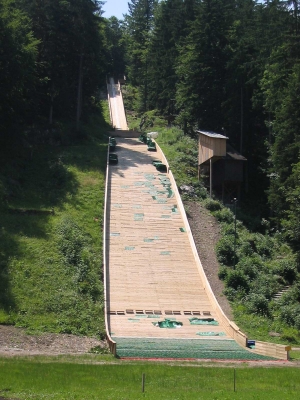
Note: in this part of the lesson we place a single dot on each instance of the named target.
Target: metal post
(234, 201)
(234, 387)
(143, 383)
(210, 179)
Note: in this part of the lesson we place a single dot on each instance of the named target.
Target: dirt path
(15, 341)
(206, 233)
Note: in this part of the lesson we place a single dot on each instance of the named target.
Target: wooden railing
(112, 345)
(109, 105)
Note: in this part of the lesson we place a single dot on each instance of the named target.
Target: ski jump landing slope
(152, 269)
(116, 106)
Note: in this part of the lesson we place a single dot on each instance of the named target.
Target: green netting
(223, 349)
(165, 253)
(149, 185)
(114, 234)
(182, 229)
(170, 193)
(203, 321)
(138, 217)
(149, 177)
(130, 248)
(166, 216)
(168, 324)
(211, 333)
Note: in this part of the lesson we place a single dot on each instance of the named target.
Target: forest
(228, 66)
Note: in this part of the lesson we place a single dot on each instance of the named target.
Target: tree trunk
(79, 93)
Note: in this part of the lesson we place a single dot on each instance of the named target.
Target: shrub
(265, 285)
(212, 205)
(237, 280)
(286, 268)
(264, 245)
(250, 266)
(290, 335)
(224, 215)
(231, 293)
(225, 251)
(258, 304)
(71, 241)
(291, 315)
(222, 274)
(292, 296)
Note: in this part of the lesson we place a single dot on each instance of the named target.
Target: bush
(286, 268)
(225, 251)
(222, 274)
(264, 245)
(224, 215)
(266, 285)
(291, 315)
(71, 241)
(231, 293)
(290, 335)
(212, 205)
(290, 297)
(250, 266)
(257, 304)
(237, 280)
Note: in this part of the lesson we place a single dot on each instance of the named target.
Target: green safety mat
(198, 348)
(168, 323)
(211, 333)
(203, 321)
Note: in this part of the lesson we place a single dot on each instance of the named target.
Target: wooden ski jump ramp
(152, 269)
(116, 106)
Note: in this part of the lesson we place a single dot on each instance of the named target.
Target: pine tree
(139, 23)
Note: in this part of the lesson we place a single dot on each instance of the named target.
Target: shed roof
(213, 134)
(232, 153)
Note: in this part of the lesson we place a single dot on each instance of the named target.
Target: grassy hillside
(51, 231)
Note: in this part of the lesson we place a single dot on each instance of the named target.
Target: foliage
(50, 248)
(17, 64)
(257, 304)
(212, 205)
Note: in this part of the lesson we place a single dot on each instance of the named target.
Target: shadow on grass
(34, 183)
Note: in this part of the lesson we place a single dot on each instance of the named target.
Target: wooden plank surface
(150, 264)
(116, 106)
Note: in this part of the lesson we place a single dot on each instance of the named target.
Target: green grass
(41, 379)
(41, 287)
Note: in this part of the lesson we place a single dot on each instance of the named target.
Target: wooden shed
(222, 163)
